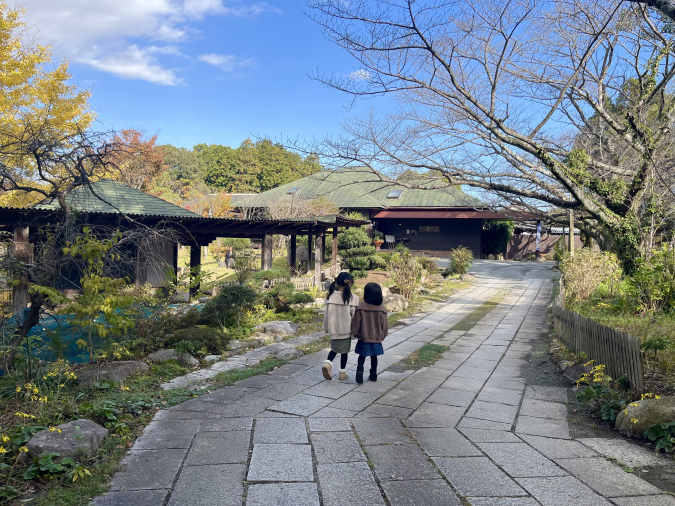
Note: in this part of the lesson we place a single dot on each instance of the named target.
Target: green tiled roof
(108, 196)
(359, 187)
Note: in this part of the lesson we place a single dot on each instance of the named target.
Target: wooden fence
(618, 352)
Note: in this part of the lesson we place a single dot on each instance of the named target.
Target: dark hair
(372, 294)
(343, 279)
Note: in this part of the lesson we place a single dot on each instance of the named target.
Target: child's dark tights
(343, 358)
(373, 362)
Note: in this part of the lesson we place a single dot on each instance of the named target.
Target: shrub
(496, 236)
(282, 295)
(269, 274)
(244, 265)
(584, 272)
(378, 262)
(461, 259)
(356, 251)
(428, 264)
(405, 273)
(213, 340)
(229, 305)
(378, 236)
(653, 283)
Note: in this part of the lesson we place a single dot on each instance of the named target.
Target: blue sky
(192, 71)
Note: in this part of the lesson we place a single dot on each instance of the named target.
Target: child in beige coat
(341, 304)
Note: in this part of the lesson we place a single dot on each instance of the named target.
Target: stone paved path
(464, 431)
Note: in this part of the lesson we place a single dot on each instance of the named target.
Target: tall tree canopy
(518, 98)
(139, 160)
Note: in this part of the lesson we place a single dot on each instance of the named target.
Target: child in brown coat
(370, 326)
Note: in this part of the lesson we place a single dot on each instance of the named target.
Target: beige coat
(337, 319)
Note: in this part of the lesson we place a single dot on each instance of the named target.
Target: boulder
(647, 413)
(289, 353)
(181, 297)
(203, 300)
(169, 354)
(213, 358)
(465, 277)
(283, 328)
(113, 371)
(491, 256)
(77, 440)
(385, 290)
(574, 372)
(395, 302)
(564, 364)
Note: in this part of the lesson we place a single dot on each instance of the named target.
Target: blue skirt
(368, 349)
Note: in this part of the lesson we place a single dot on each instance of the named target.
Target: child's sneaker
(373, 375)
(327, 370)
(359, 376)
(343, 375)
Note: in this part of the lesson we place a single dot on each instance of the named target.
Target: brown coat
(370, 323)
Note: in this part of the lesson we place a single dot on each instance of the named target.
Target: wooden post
(266, 256)
(176, 249)
(318, 258)
(323, 248)
(334, 266)
(141, 277)
(21, 252)
(310, 248)
(195, 266)
(571, 233)
(292, 253)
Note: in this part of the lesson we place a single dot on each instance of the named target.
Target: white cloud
(226, 62)
(116, 35)
(360, 75)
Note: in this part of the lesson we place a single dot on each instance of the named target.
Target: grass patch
(229, 377)
(424, 357)
(470, 321)
(316, 346)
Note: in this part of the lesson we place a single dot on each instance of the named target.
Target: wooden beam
(267, 247)
(195, 267)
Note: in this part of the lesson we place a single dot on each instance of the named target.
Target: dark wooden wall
(453, 233)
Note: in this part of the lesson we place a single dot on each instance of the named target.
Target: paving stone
(247, 406)
(280, 391)
(349, 484)
(227, 394)
(336, 447)
(472, 372)
(301, 404)
(543, 409)
(167, 434)
(310, 377)
(331, 389)
(380, 431)
(282, 494)
(380, 386)
(219, 448)
(400, 462)
(446, 442)
(418, 492)
(512, 384)
(450, 397)
(520, 460)
(500, 395)
(502, 501)
(272, 463)
(435, 415)
(647, 500)
(280, 430)
(169, 414)
(607, 478)
(493, 411)
(259, 381)
(329, 412)
(329, 424)
(132, 498)
(148, 470)
(226, 424)
(623, 451)
(220, 485)
(355, 401)
(558, 448)
(405, 397)
(201, 405)
(382, 411)
(544, 393)
(466, 384)
(489, 436)
(555, 491)
(275, 414)
(477, 476)
(287, 370)
(481, 363)
(547, 427)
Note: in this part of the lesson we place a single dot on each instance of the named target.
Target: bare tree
(551, 106)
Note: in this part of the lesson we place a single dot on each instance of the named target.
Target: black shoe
(373, 375)
(359, 375)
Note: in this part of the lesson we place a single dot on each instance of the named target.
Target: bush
(378, 236)
(244, 265)
(496, 236)
(213, 340)
(405, 273)
(356, 251)
(428, 264)
(584, 272)
(378, 263)
(228, 305)
(269, 274)
(653, 283)
(461, 259)
(283, 295)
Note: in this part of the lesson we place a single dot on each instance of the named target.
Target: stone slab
(331, 389)
(259, 381)
(382, 411)
(607, 478)
(406, 396)
(476, 423)
(220, 485)
(466, 384)
(380, 386)
(544, 393)
(132, 498)
(543, 409)
(625, 452)
(280, 391)
(226, 424)
(280, 430)
(520, 460)
(546, 427)
(400, 462)
(472, 373)
(450, 397)
(493, 411)
(500, 395)
(282, 494)
(287, 370)
(380, 431)
(329, 412)
(512, 384)
(477, 476)
(349, 484)
(647, 500)
(301, 404)
(219, 448)
(310, 377)
(489, 436)
(336, 447)
(167, 434)
(148, 470)
(502, 501)
(247, 406)
(435, 415)
(418, 492)
(555, 491)
(227, 394)
(558, 448)
(271, 463)
(329, 424)
(355, 401)
(169, 414)
(445, 442)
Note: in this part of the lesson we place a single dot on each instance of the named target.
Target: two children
(345, 317)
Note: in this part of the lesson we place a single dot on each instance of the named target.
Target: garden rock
(574, 372)
(395, 303)
(204, 299)
(284, 328)
(235, 345)
(464, 277)
(565, 364)
(491, 256)
(77, 440)
(170, 354)
(181, 297)
(647, 412)
(385, 290)
(213, 358)
(289, 353)
(114, 371)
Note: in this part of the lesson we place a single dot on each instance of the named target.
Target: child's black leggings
(343, 358)
(373, 362)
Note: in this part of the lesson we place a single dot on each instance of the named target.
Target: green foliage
(378, 236)
(357, 251)
(183, 173)
(496, 236)
(663, 434)
(228, 305)
(236, 244)
(214, 341)
(461, 259)
(282, 295)
(656, 343)
(270, 274)
(653, 282)
(428, 264)
(584, 272)
(378, 263)
(611, 408)
(244, 265)
(44, 465)
(405, 273)
(186, 347)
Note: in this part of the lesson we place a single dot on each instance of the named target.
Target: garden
(55, 378)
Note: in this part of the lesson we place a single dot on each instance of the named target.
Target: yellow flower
(5, 439)
(657, 397)
(18, 389)
(633, 420)
(2, 450)
(634, 404)
(54, 429)
(125, 389)
(23, 449)
(43, 399)
(23, 415)
(35, 390)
